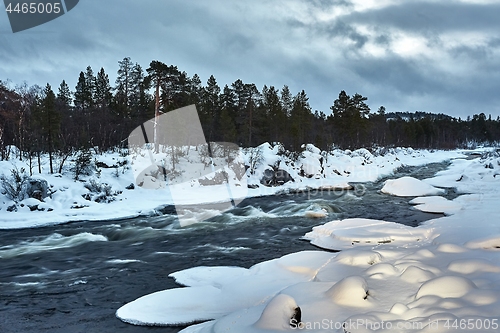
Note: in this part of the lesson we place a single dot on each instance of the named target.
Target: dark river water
(73, 277)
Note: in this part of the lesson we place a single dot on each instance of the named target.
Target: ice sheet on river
(216, 291)
(436, 204)
(349, 233)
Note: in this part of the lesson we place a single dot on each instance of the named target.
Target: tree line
(97, 114)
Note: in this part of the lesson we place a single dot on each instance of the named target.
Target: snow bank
(112, 192)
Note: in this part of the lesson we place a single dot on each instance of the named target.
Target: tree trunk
(157, 114)
(39, 163)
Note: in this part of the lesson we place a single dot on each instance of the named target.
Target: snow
(349, 233)
(409, 187)
(386, 278)
(436, 204)
(350, 291)
(214, 292)
(313, 169)
(278, 313)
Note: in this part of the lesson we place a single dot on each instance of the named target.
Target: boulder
(37, 188)
(275, 177)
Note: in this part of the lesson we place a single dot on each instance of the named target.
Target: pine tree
(274, 112)
(64, 94)
(211, 107)
(103, 93)
(286, 100)
(350, 116)
(90, 84)
(195, 90)
(227, 116)
(49, 120)
(123, 83)
(81, 92)
(227, 127)
(139, 97)
(300, 118)
(156, 74)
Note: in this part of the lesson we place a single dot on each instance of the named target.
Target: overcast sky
(435, 56)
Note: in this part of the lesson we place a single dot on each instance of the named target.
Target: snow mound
(436, 204)
(492, 243)
(382, 270)
(470, 266)
(413, 274)
(358, 257)
(446, 286)
(350, 291)
(409, 187)
(348, 233)
(279, 313)
(450, 248)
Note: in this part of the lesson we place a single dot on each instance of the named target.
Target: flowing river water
(73, 277)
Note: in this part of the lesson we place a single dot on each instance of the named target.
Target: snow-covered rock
(436, 204)
(279, 314)
(409, 187)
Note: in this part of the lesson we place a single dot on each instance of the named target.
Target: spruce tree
(211, 107)
(300, 119)
(103, 93)
(123, 82)
(90, 85)
(64, 94)
(81, 92)
(138, 91)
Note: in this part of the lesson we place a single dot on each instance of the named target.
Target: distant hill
(417, 115)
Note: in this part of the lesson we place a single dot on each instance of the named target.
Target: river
(73, 277)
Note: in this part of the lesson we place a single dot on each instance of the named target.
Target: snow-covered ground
(439, 277)
(107, 193)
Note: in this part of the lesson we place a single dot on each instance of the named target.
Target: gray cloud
(276, 43)
(422, 16)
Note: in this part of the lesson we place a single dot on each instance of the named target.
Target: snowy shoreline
(439, 277)
(72, 201)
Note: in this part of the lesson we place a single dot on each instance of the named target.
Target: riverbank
(109, 191)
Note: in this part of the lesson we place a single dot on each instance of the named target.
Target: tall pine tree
(103, 93)
(49, 121)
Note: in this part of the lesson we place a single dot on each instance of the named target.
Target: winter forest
(59, 120)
